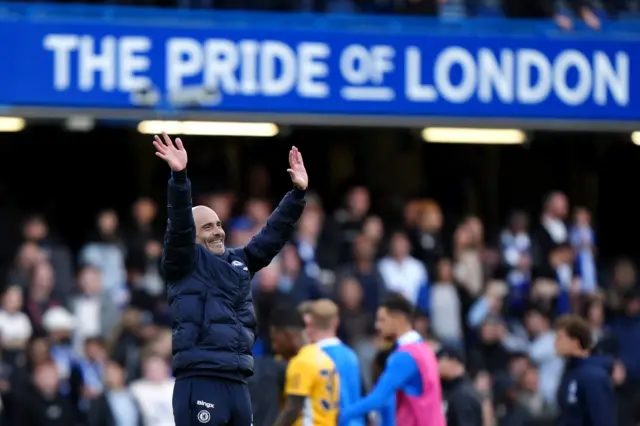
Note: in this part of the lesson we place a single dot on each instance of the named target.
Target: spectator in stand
(93, 309)
(350, 220)
(59, 325)
(515, 245)
(36, 230)
(144, 213)
(461, 403)
(41, 296)
(153, 392)
(28, 257)
(87, 374)
(623, 279)
(105, 251)
(530, 397)
(373, 228)
(583, 242)
(15, 327)
(542, 9)
(490, 353)
(363, 269)
(405, 274)
(356, 323)
(43, 404)
(468, 267)
(294, 282)
(426, 237)
(541, 351)
(446, 307)
(551, 235)
(116, 406)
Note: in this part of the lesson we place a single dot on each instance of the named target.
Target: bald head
(209, 232)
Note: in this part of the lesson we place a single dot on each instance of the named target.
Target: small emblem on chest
(239, 264)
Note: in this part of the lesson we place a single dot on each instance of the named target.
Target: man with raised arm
(209, 292)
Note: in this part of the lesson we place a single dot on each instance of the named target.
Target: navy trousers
(209, 401)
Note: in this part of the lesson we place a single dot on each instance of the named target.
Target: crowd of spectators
(563, 12)
(85, 336)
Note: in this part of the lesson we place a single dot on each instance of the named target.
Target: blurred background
(471, 155)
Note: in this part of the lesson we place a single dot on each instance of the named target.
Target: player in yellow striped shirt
(312, 385)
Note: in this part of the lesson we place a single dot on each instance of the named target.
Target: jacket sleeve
(600, 402)
(179, 252)
(267, 243)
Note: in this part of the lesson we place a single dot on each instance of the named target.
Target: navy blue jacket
(586, 395)
(213, 320)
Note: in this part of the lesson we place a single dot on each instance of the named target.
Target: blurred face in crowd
(268, 278)
(430, 219)
(209, 232)
(144, 211)
(449, 368)
(290, 260)
(30, 255)
(476, 230)
(258, 210)
(45, 377)
(445, 271)
(536, 323)
(115, 376)
(530, 379)
(90, 281)
(95, 350)
(582, 217)
(462, 238)
(364, 248)
(400, 246)
(518, 223)
(358, 201)
(107, 222)
(491, 332)
(558, 206)
(310, 224)
(42, 281)
(632, 307)
(373, 228)
(390, 325)
(35, 229)
(595, 314)
(12, 299)
(38, 351)
(624, 274)
(155, 369)
(518, 365)
(350, 293)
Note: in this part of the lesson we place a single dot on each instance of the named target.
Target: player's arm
(291, 411)
(298, 386)
(400, 369)
(267, 243)
(179, 252)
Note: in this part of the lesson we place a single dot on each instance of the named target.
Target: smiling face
(209, 232)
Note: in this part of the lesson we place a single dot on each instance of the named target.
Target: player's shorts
(210, 401)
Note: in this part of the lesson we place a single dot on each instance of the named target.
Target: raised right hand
(173, 154)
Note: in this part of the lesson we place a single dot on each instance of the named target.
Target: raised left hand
(296, 169)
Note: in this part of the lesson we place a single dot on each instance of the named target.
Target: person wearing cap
(461, 404)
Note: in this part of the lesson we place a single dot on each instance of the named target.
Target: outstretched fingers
(167, 140)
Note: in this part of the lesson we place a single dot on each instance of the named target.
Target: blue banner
(106, 64)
